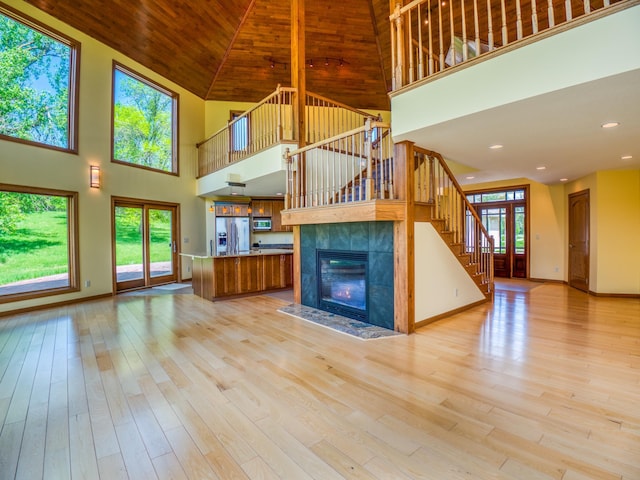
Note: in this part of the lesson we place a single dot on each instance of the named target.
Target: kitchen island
(216, 277)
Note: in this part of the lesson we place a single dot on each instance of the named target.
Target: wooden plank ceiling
(223, 49)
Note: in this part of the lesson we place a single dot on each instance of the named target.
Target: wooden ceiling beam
(298, 66)
(376, 34)
(230, 46)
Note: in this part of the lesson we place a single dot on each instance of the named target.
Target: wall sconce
(211, 209)
(94, 176)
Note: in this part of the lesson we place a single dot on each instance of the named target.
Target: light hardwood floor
(543, 384)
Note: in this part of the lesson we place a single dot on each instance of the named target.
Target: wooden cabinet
(261, 208)
(286, 268)
(223, 211)
(202, 277)
(237, 275)
(217, 277)
(270, 208)
(241, 210)
(225, 279)
(249, 274)
(278, 271)
(232, 210)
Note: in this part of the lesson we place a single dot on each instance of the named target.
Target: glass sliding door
(162, 245)
(144, 245)
(129, 246)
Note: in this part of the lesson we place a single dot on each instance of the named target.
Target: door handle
(175, 249)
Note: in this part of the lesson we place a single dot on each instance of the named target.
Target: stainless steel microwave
(261, 224)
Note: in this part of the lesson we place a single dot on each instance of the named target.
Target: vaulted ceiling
(240, 49)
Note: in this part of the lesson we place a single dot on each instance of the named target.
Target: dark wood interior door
(579, 240)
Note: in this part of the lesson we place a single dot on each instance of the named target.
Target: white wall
(441, 282)
(269, 162)
(40, 167)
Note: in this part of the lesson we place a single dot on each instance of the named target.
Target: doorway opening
(505, 215)
(144, 243)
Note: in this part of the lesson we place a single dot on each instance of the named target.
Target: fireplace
(343, 283)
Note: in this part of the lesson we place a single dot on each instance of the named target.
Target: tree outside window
(36, 91)
(144, 131)
(38, 252)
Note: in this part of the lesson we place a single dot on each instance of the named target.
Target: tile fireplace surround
(375, 238)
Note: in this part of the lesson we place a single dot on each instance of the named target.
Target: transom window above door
(502, 196)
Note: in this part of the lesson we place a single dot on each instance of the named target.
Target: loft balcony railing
(354, 166)
(270, 122)
(326, 118)
(430, 36)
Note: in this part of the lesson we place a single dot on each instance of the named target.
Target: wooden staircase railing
(454, 217)
(350, 167)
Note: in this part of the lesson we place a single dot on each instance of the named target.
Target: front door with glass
(504, 215)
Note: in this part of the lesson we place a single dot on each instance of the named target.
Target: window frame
(74, 79)
(175, 99)
(234, 122)
(72, 244)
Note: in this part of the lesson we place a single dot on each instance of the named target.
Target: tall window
(144, 122)
(38, 89)
(38, 246)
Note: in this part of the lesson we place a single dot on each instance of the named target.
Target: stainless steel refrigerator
(232, 235)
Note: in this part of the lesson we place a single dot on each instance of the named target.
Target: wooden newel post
(432, 180)
(369, 186)
(400, 47)
(403, 242)
(289, 191)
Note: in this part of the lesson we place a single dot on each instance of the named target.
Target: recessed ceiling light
(564, 179)
(610, 124)
(470, 178)
(496, 146)
(627, 157)
(280, 194)
(542, 167)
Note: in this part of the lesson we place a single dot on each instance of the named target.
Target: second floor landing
(544, 99)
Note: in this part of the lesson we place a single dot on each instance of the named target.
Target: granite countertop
(262, 251)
